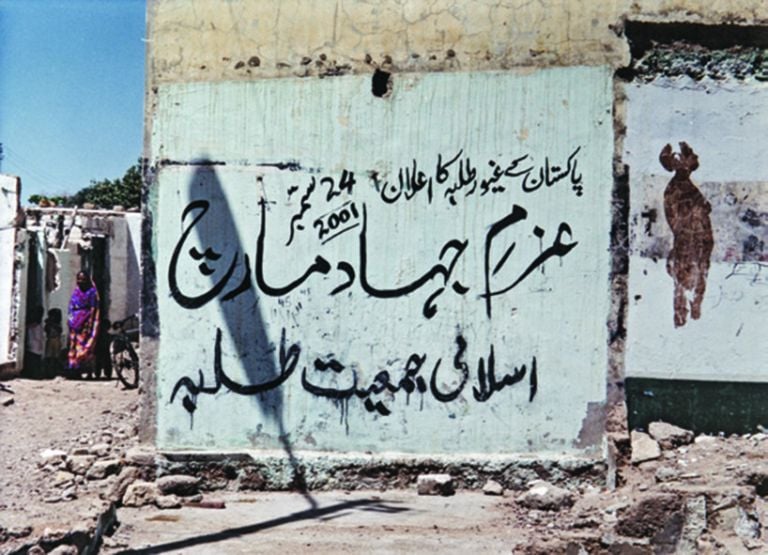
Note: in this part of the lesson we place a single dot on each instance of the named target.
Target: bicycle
(125, 360)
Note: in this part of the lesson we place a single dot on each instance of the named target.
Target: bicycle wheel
(125, 362)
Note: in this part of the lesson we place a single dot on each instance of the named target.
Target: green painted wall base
(701, 406)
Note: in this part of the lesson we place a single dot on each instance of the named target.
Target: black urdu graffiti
(455, 177)
(487, 383)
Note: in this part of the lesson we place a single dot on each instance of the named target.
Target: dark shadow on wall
(222, 257)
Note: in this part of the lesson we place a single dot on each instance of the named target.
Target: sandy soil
(37, 494)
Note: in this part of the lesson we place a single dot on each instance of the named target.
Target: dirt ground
(64, 442)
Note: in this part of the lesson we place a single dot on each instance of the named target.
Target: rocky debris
(667, 474)
(52, 457)
(492, 487)
(140, 456)
(669, 436)
(650, 515)
(140, 493)
(250, 479)
(168, 501)
(544, 496)
(126, 477)
(179, 484)
(100, 450)
(101, 469)
(14, 532)
(435, 484)
(64, 550)
(643, 448)
(79, 464)
(62, 479)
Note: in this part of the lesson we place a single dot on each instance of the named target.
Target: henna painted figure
(687, 212)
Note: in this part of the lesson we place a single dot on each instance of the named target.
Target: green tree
(106, 193)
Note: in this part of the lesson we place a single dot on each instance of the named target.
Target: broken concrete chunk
(747, 525)
(140, 456)
(180, 484)
(666, 474)
(668, 435)
(100, 449)
(492, 487)
(168, 502)
(79, 464)
(643, 448)
(52, 456)
(705, 440)
(140, 494)
(126, 477)
(435, 484)
(545, 496)
(102, 469)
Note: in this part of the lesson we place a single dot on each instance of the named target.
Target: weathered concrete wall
(251, 105)
(9, 211)
(226, 40)
(714, 261)
(356, 279)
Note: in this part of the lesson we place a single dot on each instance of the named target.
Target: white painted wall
(9, 202)
(724, 124)
(269, 141)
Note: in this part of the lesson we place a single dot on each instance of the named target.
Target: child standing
(53, 330)
(35, 343)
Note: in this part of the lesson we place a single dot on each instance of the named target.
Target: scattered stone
(100, 449)
(179, 484)
(64, 550)
(69, 494)
(35, 550)
(747, 526)
(126, 477)
(251, 479)
(79, 451)
(62, 478)
(52, 456)
(545, 496)
(19, 532)
(102, 469)
(666, 474)
(79, 464)
(492, 487)
(705, 440)
(140, 493)
(168, 502)
(140, 456)
(435, 484)
(643, 448)
(694, 526)
(53, 536)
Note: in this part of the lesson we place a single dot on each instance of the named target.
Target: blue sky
(71, 91)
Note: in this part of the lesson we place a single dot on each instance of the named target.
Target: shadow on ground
(325, 513)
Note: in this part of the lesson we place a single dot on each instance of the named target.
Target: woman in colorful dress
(83, 325)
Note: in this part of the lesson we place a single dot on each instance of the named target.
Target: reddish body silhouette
(687, 212)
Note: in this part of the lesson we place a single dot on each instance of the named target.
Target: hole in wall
(381, 83)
